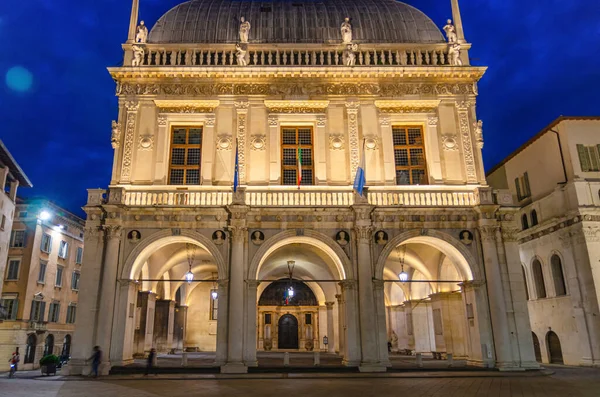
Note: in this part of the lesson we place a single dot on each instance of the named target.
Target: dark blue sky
(543, 58)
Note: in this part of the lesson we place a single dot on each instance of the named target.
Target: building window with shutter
(297, 155)
(17, 239)
(409, 155)
(12, 273)
(589, 158)
(63, 249)
(54, 312)
(75, 281)
(59, 276)
(71, 311)
(185, 158)
(79, 256)
(38, 309)
(8, 308)
(522, 187)
(46, 245)
(42, 273)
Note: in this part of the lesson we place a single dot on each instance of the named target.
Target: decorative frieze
(161, 120)
(407, 106)
(186, 106)
(296, 106)
(242, 114)
(465, 132)
(287, 89)
(352, 109)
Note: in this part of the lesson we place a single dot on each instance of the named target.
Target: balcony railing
(399, 55)
(285, 196)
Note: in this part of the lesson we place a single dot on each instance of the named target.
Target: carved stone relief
(132, 109)
(146, 142)
(371, 142)
(336, 142)
(224, 142)
(352, 109)
(115, 135)
(449, 142)
(465, 132)
(242, 113)
(258, 142)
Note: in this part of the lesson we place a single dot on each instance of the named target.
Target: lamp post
(403, 276)
(189, 276)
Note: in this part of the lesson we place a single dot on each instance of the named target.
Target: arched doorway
(554, 348)
(30, 349)
(49, 345)
(288, 332)
(536, 348)
(66, 349)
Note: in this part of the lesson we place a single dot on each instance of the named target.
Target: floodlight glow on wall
(45, 215)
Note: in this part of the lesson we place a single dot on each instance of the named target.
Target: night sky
(57, 99)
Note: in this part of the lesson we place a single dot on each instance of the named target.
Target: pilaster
(352, 110)
(462, 108)
(241, 108)
(387, 145)
(132, 108)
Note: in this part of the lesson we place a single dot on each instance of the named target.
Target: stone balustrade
(189, 55)
(287, 196)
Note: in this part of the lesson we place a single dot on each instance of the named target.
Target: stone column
(341, 331)
(222, 320)
(274, 148)
(208, 149)
(387, 147)
(129, 141)
(171, 325)
(87, 305)
(381, 322)
(107, 292)
(504, 357)
(149, 326)
(330, 329)
(479, 333)
(351, 340)
(121, 345)
(242, 121)
(181, 324)
(251, 337)
(237, 269)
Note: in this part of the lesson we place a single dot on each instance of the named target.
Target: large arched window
(525, 282)
(30, 349)
(534, 218)
(49, 345)
(557, 274)
(524, 222)
(538, 278)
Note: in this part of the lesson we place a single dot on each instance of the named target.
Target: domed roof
(294, 21)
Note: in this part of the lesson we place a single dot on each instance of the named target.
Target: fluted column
(222, 321)
(330, 329)
(237, 268)
(250, 339)
(107, 292)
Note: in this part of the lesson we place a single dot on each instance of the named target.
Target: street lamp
(403, 276)
(189, 276)
(45, 215)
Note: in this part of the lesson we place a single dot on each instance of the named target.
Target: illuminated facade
(261, 83)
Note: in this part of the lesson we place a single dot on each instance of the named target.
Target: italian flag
(299, 174)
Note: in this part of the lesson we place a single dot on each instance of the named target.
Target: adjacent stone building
(554, 179)
(288, 99)
(41, 283)
(11, 177)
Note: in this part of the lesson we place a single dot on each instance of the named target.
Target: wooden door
(554, 349)
(288, 332)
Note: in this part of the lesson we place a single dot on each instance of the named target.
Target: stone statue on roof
(141, 35)
(115, 135)
(451, 32)
(454, 54)
(240, 54)
(244, 30)
(346, 29)
(138, 55)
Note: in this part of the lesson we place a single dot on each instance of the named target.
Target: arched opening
(554, 348)
(525, 282)
(524, 222)
(164, 311)
(534, 218)
(49, 345)
(536, 348)
(538, 278)
(557, 274)
(288, 332)
(30, 349)
(421, 313)
(311, 318)
(66, 348)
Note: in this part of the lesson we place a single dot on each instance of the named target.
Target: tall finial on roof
(135, 9)
(458, 21)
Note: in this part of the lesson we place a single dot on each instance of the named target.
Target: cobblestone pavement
(564, 382)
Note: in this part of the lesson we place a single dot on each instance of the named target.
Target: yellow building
(266, 92)
(41, 283)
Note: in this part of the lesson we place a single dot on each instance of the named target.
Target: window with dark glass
(17, 239)
(308, 319)
(295, 141)
(538, 278)
(409, 155)
(186, 151)
(560, 286)
(10, 307)
(267, 318)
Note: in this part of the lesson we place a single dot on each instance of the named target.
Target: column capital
(378, 284)
(113, 232)
(384, 119)
(223, 283)
(329, 305)
(469, 285)
(92, 231)
(352, 107)
(338, 297)
(363, 232)
(237, 232)
(253, 283)
(433, 121)
(125, 282)
(241, 106)
(488, 233)
(348, 284)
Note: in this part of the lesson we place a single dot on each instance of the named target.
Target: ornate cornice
(186, 106)
(294, 87)
(427, 106)
(296, 106)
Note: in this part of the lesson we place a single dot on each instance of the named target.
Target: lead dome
(217, 21)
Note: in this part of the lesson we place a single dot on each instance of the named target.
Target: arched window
(558, 276)
(30, 349)
(524, 222)
(538, 278)
(534, 218)
(66, 349)
(49, 345)
(525, 282)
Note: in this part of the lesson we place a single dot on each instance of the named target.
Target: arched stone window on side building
(538, 279)
(534, 218)
(524, 222)
(525, 282)
(558, 276)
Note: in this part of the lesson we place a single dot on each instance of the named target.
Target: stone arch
(310, 237)
(448, 245)
(537, 272)
(152, 243)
